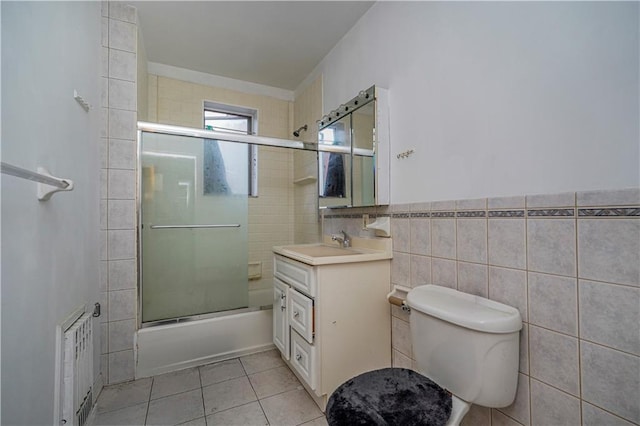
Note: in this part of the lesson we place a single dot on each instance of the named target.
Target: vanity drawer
(303, 359)
(301, 314)
(297, 274)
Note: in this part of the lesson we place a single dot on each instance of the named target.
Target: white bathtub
(164, 348)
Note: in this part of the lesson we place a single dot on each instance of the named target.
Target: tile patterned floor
(257, 389)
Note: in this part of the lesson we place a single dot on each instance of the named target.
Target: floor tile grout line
(146, 415)
(204, 408)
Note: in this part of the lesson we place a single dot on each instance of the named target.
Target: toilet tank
(467, 344)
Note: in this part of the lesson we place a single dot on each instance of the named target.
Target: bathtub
(165, 348)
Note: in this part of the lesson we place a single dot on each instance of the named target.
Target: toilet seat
(390, 396)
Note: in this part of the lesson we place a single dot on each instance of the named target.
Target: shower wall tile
(103, 245)
(553, 302)
(104, 338)
(551, 406)
(475, 204)
(420, 230)
(104, 307)
(104, 98)
(118, 185)
(520, 409)
(509, 286)
(104, 118)
(104, 153)
(121, 366)
(608, 250)
(122, 274)
(554, 359)
(449, 205)
(573, 273)
(472, 240)
(507, 243)
(524, 349)
(122, 65)
(551, 246)
(444, 272)
(400, 360)
(610, 315)
(516, 202)
(420, 270)
(564, 199)
(443, 237)
(122, 184)
(122, 305)
(104, 62)
(103, 215)
(608, 380)
(104, 184)
(122, 94)
(400, 229)
(122, 244)
(620, 197)
(122, 154)
(401, 336)
(473, 278)
(104, 275)
(594, 416)
(122, 214)
(121, 335)
(122, 124)
(123, 35)
(401, 269)
(122, 11)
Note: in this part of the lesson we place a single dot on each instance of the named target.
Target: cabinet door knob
(296, 314)
(298, 357)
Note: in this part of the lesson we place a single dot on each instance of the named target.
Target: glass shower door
(194, 211)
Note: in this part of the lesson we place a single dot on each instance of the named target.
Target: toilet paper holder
(398, 297)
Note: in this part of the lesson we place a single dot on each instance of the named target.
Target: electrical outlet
(365, 220)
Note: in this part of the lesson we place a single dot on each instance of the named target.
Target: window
(232, 119)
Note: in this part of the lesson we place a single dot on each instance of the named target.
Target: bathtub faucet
(344, 241)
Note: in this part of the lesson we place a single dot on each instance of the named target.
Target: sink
(327, 253)
(322, 250)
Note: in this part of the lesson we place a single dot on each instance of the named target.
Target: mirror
(334, 164)
(353, 150)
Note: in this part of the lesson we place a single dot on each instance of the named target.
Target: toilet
(466, 349)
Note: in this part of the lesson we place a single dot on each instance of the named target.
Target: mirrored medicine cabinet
(353, 152)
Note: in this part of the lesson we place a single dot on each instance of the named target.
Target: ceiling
(275, 43)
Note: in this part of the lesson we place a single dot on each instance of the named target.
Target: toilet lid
(390, 396)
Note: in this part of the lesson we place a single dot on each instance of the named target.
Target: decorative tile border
(472, 213)
(616, 212)
(506, 213)
(401, 215)
(551, 213)
(443, 214)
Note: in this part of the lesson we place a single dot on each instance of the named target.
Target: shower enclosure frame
(166, 129)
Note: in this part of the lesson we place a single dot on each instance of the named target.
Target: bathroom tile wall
(271, 214)
(307, 109)
(569, 262)
(117, 218)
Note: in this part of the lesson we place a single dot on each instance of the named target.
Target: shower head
(296, 133)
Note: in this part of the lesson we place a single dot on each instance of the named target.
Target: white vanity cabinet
(334, 322)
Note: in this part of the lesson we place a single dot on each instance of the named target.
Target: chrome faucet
(344, 241)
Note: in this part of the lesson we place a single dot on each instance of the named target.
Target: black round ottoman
(391, 396)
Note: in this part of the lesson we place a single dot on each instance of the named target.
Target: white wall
(500, 98)
(50, 250)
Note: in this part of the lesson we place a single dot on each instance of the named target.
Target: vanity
(331, 319)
